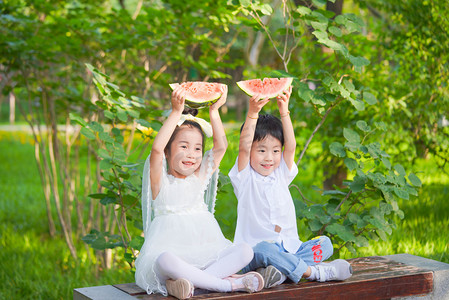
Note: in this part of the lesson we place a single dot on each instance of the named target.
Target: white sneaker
(271, 276)
(338, 269)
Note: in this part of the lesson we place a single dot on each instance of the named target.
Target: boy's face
(265, 155)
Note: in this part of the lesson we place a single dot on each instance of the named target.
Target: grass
(35, 266)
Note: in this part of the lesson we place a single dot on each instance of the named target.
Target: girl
(184, 246)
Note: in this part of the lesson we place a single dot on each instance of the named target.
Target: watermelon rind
(199, 102)
(248, 86)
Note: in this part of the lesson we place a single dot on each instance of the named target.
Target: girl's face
(186, 152)
(265, 155)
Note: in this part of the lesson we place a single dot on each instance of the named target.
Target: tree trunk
(12, 108)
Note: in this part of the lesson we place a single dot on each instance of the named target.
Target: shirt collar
(258, 177)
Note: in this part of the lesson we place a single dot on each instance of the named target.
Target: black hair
(189, 123)
(268, 125)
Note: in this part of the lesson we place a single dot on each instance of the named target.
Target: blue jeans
(293, 265)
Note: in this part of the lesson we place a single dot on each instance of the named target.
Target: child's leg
(266, 253)
(316, 250)
(169, 266)
(231, 260)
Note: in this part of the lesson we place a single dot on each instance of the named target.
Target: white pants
(231, 260)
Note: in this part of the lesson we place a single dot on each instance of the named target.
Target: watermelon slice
(200, 94)
(267, 88)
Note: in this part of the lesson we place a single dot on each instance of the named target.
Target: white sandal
(180, 288)
(248, 282)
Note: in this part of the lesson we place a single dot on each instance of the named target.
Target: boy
(266, 214)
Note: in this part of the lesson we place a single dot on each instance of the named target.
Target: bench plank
(373, 277)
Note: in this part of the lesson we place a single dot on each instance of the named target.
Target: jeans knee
(264, 247)
(263, 250)
(327, 246)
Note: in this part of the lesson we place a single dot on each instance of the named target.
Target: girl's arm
(247, 134)
(219, 135)
(289, 134)
(162, 138)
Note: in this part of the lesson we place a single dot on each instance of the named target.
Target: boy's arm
(219, 135)
(287, 126)
(247, 134)
(162, 138)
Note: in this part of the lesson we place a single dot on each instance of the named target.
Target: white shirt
(263, 203)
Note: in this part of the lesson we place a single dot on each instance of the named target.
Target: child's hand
(222, 100)
(255, 105)
(283, 100)
(178, 99)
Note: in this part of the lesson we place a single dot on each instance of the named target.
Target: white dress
(182, 224)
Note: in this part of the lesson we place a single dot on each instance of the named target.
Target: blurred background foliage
(87, 81)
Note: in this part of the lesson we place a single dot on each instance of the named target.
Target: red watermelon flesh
(267, 88)
(199, 93)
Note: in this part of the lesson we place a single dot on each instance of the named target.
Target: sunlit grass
(33, 265)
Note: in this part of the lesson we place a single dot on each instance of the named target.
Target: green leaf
(108, 200)
(303, 10)
(401, 193)
(341, 231)
(104, 136)
(133, 113)
(97, 196)
(137, 242)
(382, 235)
(105, 164)
(386, 162)
(103, 153)
(266, 9)
(99, 244)
(321, 35)
(315, 225)
(333, 192)
(335, 31)
(351, 163)
(319, 3)
(381, 125)
(95, 126)
(361, 241)
(337, 149)
(245, 3)
(353, 146)
(304, 92)
(88, 133)
(414, 180)
(122, 115)
(77, 119)
(358, 62)
(363, 126)
(374, 149)
(109, 115)
(359, 105)
(357, 185)
(369, 98)
(320, 26)
(351, 135)
(400, 169)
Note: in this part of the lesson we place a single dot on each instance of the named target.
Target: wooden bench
(375, 277)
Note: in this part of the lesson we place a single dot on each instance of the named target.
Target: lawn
(35, 266)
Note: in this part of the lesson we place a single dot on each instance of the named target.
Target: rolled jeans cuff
(297, 273)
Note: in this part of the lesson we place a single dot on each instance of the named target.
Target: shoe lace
(326, 273)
